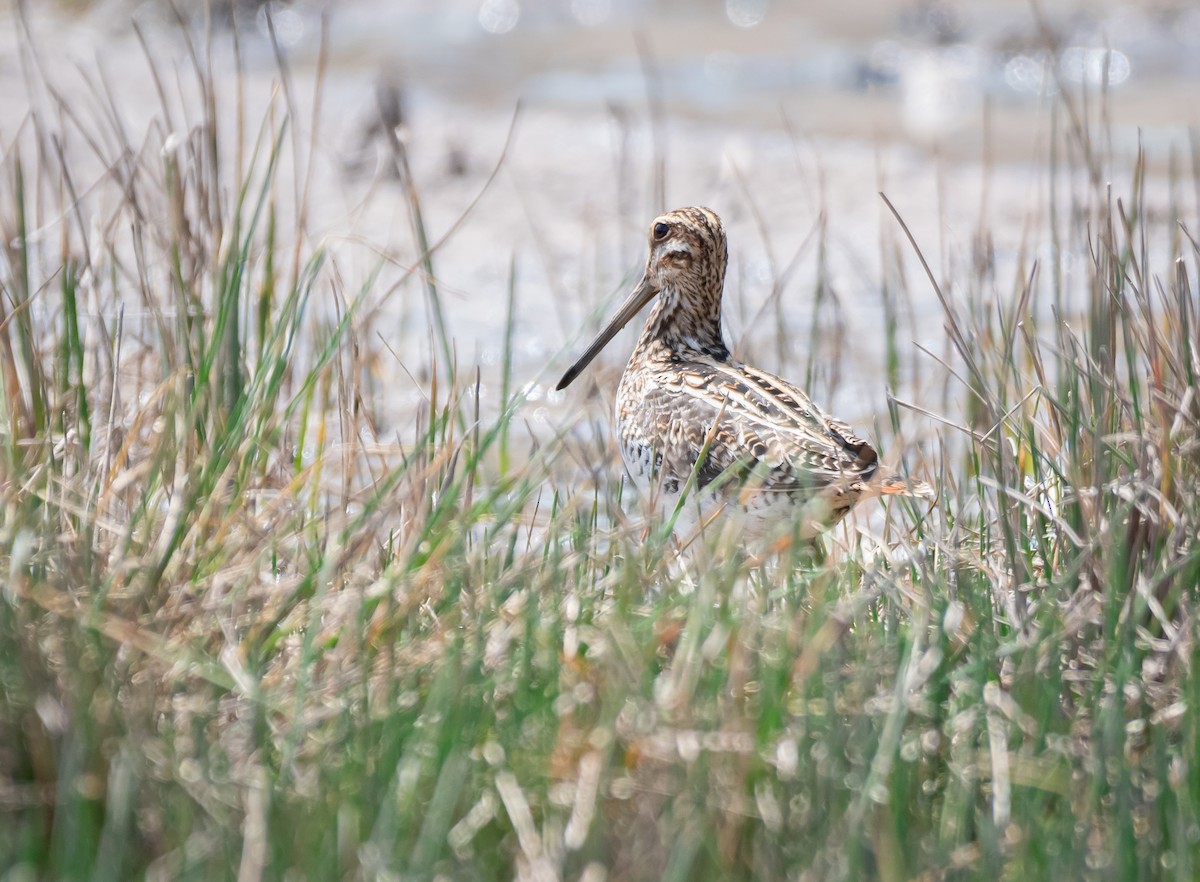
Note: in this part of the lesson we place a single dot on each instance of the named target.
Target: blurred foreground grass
(237, 640)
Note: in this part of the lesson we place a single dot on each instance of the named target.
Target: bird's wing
(756, 421)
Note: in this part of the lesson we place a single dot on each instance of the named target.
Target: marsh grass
(241, 637)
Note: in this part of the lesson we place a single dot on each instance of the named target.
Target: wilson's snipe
(759, 441)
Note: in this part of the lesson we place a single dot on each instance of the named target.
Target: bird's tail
(894, 485)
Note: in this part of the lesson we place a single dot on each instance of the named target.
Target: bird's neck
(684, 324)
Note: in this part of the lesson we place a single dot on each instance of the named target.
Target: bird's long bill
(633, 304)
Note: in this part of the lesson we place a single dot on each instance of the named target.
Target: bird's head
(686, 263)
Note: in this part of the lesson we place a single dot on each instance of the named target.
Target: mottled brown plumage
(770, 451)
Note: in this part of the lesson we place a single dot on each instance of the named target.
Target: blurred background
(892, 68)
(788, 119)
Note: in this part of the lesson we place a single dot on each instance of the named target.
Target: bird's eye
(661, 230)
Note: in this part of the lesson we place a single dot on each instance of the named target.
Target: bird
(692, 418)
